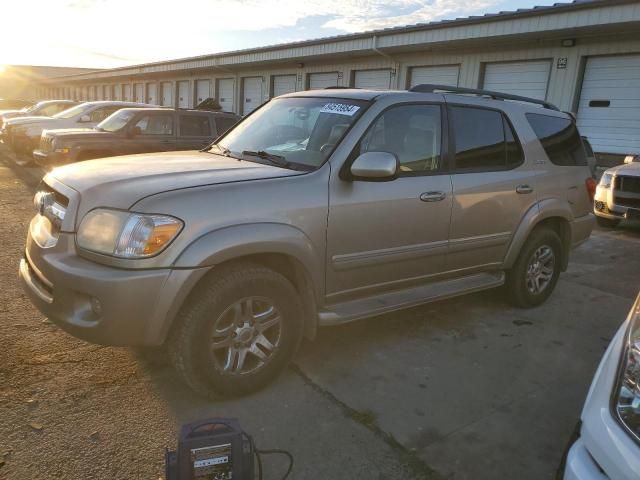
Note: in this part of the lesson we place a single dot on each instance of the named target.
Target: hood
(628, 169)
(11, 113)
(28, 120)
(122, 181)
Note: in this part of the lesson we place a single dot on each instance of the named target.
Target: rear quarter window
(559, 138)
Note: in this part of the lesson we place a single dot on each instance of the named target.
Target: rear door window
(484, 140)
(559, 138)
(195, 126)
(155, 125)
(224, 123)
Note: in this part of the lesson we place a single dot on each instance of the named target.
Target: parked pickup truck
(319, 208)
(134, 130)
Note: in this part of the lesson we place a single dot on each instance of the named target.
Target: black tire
(607, 222)
(517, 278)
(191, 341)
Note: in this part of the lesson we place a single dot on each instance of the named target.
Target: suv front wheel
(535, 274)
(237, 331)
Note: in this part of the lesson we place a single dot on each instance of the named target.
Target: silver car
(319, 208)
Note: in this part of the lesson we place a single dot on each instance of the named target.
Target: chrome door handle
(432, 196)
(524, 189)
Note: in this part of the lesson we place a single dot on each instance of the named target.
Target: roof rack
(429, 88)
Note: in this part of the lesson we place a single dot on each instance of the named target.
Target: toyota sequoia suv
(319, 208)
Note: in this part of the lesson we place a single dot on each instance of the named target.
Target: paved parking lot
(461, 389)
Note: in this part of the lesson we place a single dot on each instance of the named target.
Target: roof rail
(429, 88)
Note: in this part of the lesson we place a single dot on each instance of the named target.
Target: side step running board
(398, 300)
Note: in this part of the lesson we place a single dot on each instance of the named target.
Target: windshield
(33, 108)
(71, 112)
(300, 130)
(116, 121)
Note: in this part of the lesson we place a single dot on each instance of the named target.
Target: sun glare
(2, 69)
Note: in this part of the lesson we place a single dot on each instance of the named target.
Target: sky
(114, 33)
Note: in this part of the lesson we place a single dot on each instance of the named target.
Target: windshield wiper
(278, 160)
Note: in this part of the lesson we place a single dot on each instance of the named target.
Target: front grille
(627, 184)
(46, 143)
(627, 202)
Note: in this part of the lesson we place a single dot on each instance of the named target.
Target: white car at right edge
(608, 446)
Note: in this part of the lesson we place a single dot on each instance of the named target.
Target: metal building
(583, 56)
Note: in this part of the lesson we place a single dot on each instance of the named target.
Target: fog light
(96, 306)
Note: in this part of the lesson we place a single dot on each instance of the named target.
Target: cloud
(380, 14)
(117, 32)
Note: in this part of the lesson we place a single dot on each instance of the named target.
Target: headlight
(127, 235)
(605, 181)
(627, 392)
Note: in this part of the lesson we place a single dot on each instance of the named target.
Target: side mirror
(375, 167)
(85, 119)
(133, 131)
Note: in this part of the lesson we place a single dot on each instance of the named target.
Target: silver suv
(321, 207)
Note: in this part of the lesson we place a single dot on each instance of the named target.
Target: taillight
(590, 185)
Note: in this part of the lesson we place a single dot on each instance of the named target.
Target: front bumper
(49, 159)
(101, 304)
(581, 465)
(604, 205)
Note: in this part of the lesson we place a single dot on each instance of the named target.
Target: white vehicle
(618, 195)
(22, 134)
(608, 447)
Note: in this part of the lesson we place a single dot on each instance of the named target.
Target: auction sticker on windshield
(340, 109)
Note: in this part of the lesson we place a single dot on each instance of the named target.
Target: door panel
(283, 84)
(203, 91)
(489, 171)
(529, 79)
(318, 81)
(251, 94)
(183, 94)
(373, 79)
(152, 93)
(389, 235)
(437, 75)
(166, 92)
(226, 94)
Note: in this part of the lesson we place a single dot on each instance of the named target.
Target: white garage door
(226, 94)
(283, 84)
(528, 79)
(183, 94)
(318, 81)
(441, 75)
(609, 104)
(126, 92)
(203, 91)
(139, 91)
(251, 94)
(152, 93)
(166, 92)
(373, 79)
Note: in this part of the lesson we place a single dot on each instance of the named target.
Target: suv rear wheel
(237, 332)
(535, 274)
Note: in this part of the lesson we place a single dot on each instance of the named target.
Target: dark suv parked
(134, 130)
